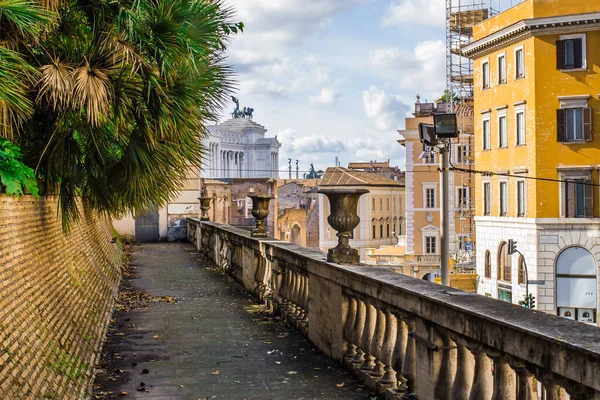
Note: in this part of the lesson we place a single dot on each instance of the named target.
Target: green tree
(113, 96)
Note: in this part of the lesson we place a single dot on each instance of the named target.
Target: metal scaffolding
(461, 18)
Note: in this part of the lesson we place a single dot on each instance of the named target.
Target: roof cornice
(533, 27)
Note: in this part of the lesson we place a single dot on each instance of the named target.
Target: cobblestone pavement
(214, 342)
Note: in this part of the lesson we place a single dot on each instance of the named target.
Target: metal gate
(146, 226)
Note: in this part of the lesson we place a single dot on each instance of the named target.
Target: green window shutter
(560, 54)
(587, 124)
(561, 131)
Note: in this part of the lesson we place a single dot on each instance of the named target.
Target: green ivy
(15, 175)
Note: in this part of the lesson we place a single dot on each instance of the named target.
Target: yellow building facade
(537, 131)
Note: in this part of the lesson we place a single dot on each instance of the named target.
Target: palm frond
(56, 85)
(92, 92)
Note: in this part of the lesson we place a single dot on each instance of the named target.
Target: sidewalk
(213, 342)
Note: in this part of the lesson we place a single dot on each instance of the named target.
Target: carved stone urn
(204, 206)
(260, 211)
(343, 219)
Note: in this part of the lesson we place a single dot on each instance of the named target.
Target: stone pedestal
(343, 219)
(260, 211)
(204, 207)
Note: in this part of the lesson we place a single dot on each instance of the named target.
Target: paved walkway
(215, 343)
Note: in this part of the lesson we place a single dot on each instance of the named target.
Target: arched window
(576, 284)
(503, 271)
(499, 260)
(522, 279)
(488, 264)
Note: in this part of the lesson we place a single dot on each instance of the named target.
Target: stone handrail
(407, 336)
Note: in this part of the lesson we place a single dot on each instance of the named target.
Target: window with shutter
(589, 199)
(577, 197)
(570, 52)
(488, 265)
(560, 54)
(587, 124)
(560, 125)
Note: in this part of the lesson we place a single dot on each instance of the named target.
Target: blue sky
(338, 77)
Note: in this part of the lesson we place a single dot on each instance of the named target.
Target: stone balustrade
(405, 336)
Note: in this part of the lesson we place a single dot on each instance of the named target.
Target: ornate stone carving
(204, 206)
(343, 219)
(260, 211)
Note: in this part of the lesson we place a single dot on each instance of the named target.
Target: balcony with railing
(409, 337)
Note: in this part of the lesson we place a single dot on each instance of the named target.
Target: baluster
(400, 350)
(293, 293)
(464, 373)
(553, 391)
(361, 316)
(305, 298)
(367, 337)
(285, 288)
(377, 342)
(387, 351)
(409, 364)
(527, 385)
(447, 367)
(504, 379)
(350, 321)
(483, 385)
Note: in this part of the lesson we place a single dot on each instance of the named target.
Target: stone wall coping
(568, 348)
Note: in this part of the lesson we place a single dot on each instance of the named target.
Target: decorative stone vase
(343, 219)
(204, 206)
(260, 211)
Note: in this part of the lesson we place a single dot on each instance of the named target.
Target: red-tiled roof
(339, 176)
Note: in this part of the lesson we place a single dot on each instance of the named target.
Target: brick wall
(56, 295)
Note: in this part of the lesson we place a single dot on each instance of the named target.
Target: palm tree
(114, 103)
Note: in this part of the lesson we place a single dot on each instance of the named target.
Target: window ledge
(573, 69)
(575, 141)
(520, 144)
(518, 78)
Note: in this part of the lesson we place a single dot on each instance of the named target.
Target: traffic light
(531, 301)
(512, 246)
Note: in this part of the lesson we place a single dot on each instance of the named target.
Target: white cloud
(385, 110)
(378, 146)
(295, 144)
(421, 12)
(392, 58)
(421, 71)
(260, 86)
(326, 97)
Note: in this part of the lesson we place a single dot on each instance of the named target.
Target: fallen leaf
(216, 372)
(181, 386)
(339, 384)
(123, 393)
(277, 362)
(155, 336)
(292, 373)
(268, 342)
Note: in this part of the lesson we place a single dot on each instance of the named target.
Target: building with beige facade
(381, 211)
(422, 249)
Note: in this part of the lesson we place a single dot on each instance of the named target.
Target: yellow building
(537, 82)
(423, 193)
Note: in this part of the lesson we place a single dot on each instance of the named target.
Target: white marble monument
(238, 148)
